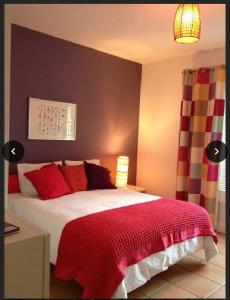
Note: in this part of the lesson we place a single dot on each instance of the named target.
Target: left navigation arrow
(13, 151)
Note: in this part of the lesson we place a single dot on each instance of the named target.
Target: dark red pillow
(13, 184)
(49, 182)
(75, 177)
(98, 177)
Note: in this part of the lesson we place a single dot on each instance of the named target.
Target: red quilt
(96, 249)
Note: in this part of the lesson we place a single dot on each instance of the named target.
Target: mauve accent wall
(105, 88)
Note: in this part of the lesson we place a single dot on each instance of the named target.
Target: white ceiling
(138, 32)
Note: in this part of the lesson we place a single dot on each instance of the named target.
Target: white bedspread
(52, 215)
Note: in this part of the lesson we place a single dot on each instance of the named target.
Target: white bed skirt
(139, 273)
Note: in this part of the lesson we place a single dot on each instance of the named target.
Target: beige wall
(161, 92)
(7, 45)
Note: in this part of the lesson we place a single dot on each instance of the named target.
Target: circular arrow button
(216, 151)
(13, 151)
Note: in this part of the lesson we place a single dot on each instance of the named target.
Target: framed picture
(51, 120)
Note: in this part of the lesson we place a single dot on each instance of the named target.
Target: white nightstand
(136, 188)
(26, 261)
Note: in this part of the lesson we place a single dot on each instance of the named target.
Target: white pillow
(26, 186)
(95, 161)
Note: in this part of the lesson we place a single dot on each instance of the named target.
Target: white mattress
(52, 215)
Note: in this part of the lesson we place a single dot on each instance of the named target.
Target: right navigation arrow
(216, 151)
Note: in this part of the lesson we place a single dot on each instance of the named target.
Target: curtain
(201, 121)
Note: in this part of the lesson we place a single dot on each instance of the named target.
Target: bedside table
(26, 260)
(136, 188)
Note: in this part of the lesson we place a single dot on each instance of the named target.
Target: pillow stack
(52, 180)
(26, 186)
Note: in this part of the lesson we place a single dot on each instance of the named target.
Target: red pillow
(75, 177)
(13, 184)
(98, 177)
(49, 182)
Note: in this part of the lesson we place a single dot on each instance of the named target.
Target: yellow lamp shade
(122, 171)
(187, 24)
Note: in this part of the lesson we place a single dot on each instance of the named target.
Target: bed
(54, 214)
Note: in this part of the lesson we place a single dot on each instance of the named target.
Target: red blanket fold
(96, 249)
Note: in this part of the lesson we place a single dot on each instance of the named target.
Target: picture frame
(51, 120)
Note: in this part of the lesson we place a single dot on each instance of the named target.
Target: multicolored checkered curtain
(202, 110)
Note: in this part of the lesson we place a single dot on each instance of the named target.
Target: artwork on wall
(51, 120)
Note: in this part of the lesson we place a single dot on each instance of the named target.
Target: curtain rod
(206, 68)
